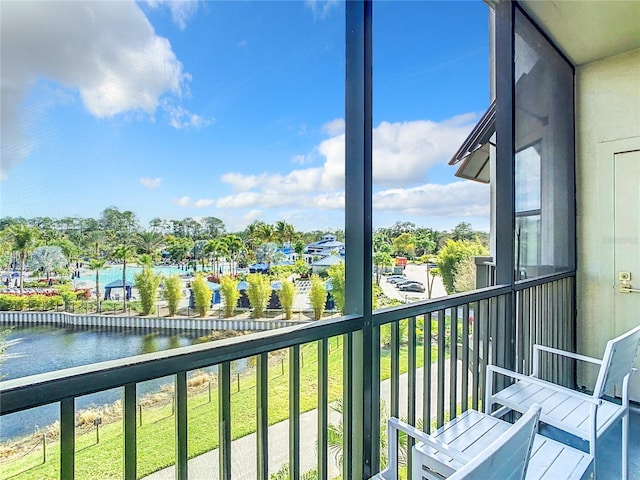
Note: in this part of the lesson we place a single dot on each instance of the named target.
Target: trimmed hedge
(34, 301)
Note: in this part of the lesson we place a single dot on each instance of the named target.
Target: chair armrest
(394, 426)
(419, 435)
(564, 353)
(536, 358)
(542, 383)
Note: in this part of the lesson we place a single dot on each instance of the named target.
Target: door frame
(606, 157)
(607, 151)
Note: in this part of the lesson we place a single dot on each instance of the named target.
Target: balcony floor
(608, 465)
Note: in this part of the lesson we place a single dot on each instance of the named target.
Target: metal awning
(473, 154)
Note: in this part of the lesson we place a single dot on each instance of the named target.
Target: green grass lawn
(156, 436)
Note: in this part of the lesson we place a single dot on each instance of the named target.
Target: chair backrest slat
(506, 458)
(619, 356)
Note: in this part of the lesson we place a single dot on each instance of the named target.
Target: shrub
(10, 302)
(202, 294)
(465, 279)
(111, 306)
(230, 294)
(35, 302)
(259, 292)
(450, 258)
(136, 306)
(83, 293)
(286, 295)
(68, 296)
(172, 293)
(302, 268)
(336, 275)
(147, 283)
(317, 296)
(13, 302)
(279, 271)
(198, 379)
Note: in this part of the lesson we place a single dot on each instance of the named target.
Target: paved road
(243, 450)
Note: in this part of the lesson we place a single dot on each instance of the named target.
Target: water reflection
(149, 343)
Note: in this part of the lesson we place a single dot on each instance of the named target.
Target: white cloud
(235, 222)
(250, 216)
(405, 152)
(305, 180)
(180, 117)
(461, 198)
(272, 199)
(321, 8)
(151, 182)
(334, 127)
(181, 10)
(243, 183)
(403, 155)
(187, 202)
(108, 52)
(298, 159)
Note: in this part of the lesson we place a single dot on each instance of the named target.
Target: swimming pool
(114, 272)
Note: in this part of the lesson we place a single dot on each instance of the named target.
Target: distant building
(327, 246)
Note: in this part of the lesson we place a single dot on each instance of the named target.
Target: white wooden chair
(478, 446)
(505, 458)
(585, 416)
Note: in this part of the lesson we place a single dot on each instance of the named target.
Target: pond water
(44, 348)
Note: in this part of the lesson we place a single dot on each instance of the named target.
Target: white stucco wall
(607, 109)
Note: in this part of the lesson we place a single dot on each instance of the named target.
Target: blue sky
(235, 110)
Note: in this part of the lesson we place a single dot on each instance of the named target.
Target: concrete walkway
(244, 452)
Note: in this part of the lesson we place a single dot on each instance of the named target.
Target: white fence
(63, 319)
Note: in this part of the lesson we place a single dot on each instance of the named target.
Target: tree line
(118, 236)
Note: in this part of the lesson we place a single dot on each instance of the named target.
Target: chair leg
(592, 451)
(625, 440)
(487, 401)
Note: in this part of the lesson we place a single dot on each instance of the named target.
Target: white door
(627, 246)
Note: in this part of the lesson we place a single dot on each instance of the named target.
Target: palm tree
(146, 260)
(284, 232)
(149, 242)
(214, 249)
(23, 240)
(97, 265)
(266, 233)
(234, 247)
(252, 233)
(126, 253)
(280, 231)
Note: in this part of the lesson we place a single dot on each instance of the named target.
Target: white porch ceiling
(588, 30)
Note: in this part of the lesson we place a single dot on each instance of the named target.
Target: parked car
(407, 282)
(411, 287)
(397, 278)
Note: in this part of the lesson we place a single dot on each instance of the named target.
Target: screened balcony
(454, 337)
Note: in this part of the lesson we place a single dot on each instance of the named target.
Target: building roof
(328, 261)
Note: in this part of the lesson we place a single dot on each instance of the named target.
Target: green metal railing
(456, 335)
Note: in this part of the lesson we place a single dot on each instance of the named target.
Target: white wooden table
(473, 431)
